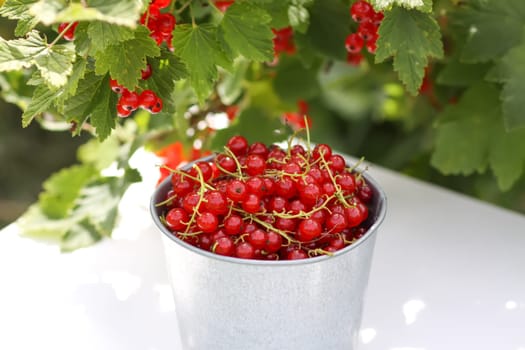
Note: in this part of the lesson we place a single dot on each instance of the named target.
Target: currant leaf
(245, 27)
(299, 17)
(199, 49)
(79, 106)
(104, 113)
(420, 5)
(79, 235)
(499, 23)
(456, 73)
(55, 63)
(511, 72)
(40, 102)
(120, 12)
(62, 189)
(471, 136)
(103, 34)
(19, 10)
(126, 59)
(410, 37)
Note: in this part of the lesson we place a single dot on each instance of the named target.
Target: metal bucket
(225, 303)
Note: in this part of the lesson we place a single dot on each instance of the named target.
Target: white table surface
(448, 274)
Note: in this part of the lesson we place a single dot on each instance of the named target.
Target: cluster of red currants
(161, 25)
(129, 101)
(258, 202)
(369, 21)
(283, 41)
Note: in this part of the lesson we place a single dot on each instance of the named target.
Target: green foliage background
(464, 131)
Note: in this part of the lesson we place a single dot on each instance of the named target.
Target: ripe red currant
(238, 145)
(129, 100)
(177, 219)
(361, 11)
(354, 43)
(146, 72)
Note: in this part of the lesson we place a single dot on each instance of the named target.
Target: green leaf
(35, 223)
(103, 34)
(278, 11)
(493, 28)
(104, 111)
(62, 189)
(80, 235)
(54, 63)
(329, 26)
(99, 202)
(510, 71)
(19, 10)
(199, 49)
(80, 105)
(120, 12)
(256, 124)
(463, 137)
(125, 60)
(507, 156)
(420, 5)
(410, 37)
(471, 135)
(99, 154)
(40, 102)
(245, 27)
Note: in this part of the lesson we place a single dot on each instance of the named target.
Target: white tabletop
(448, 274)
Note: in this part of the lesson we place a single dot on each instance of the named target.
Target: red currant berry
(377, 18)
(367, 31)
(354, 43)
(147, 99)
(129, 100)
(207, 222)
(278, 204)
(254, 185)
(146, 72)
(166, 23)
(122, 112)
(223, 5)
(224, 246)
(336, 223)
(285, 187)
(236, 190)
(70, 33)
(161, 3)
(310, 194)
(190, 201)
(177, 219)
(371, 46)
(245, 250)
(205, 170)
(337, 163)
(308, 230)
(257, 238)
(157, 107)
(322, 149)
(258, 148)
(274, 242)
(347, 183)
(355, 215)
(354, 58)
(286, 224)
(361, 11)
(205, 241)
(238, 145)
(225, 163)
(215, 202)
(233, 224)
(255, 164)
(252, 203)
(116, 87)
(296, 254)
(365, 193)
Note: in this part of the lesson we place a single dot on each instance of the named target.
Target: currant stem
(60, 35)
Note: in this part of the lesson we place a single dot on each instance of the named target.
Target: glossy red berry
(354, 58)
(224, 246)
(245, 250)
(223, 5)
(251, 203)
(161, 3)
(207, 222)
(177, 219)
(255, 164)
(69, 34)
(166, 23)
(147, 99)
(296, 254)
(238, 145)
(361, 11)
(123, 112)
(129, 100)
(157, 107)
(354, 43)
(336, 223)
(116, 87)
(367, 31)
(233, 224)
(146, 72)
(236, 190)
(274, 242)
(215, 202)
(308, 230)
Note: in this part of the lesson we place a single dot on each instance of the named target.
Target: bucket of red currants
(268, 246)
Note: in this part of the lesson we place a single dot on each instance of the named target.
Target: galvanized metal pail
(225, 303)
